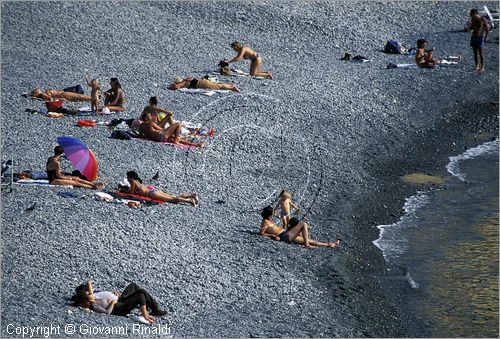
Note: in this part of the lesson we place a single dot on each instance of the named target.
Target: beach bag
(74, 89)
(54, 106)
(120, 134)
(392, 47)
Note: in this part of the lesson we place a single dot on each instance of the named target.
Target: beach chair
(493, 17)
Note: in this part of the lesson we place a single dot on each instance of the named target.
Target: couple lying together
(154, 127)
(295, 231)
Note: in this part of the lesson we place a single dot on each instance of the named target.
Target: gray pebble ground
(337, 134)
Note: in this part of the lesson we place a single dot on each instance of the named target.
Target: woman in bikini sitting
(57, 178)
(297, 232)
(53, 94)
(245, 52)
(191, 82)
(137, 187)
(151, 130)
(115, 97)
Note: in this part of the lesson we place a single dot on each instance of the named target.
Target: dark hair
(473, 12)
(266, 212)
(293, 222)
(58, 150)
(421, 42)
(80, 297)
(153, 101)
(133, 175)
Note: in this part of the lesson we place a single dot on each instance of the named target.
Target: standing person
(95, 94)
(286, 204)
(57, 178)
(480, 31)
(245, 52)
(115, 97)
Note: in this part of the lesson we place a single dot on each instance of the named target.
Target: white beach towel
(38, 182)
(202, 91)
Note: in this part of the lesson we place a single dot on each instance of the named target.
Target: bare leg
(158, 195)
(231, 87)
(475, 49)
(300, 228)
(68, 182)
(174, 130)
(146, 315)
(76, 97)
(115, 108)
(481, 58)
(254, 69)
(87, 183)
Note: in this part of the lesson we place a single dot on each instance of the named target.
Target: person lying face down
(296, 232)
(191, 82)
(53, 94)
(117, 303)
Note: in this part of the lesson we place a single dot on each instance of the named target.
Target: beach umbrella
(82, 158)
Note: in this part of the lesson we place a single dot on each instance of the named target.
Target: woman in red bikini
(137, 187)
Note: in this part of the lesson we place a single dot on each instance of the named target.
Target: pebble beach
(339, 135)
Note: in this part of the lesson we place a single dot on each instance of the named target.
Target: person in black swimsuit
(55, 176)
(191, 82)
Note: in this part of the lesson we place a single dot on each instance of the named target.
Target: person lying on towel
(139, 188)
(53, 94)
(201, 83)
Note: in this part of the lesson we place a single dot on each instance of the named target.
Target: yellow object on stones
(422, 178)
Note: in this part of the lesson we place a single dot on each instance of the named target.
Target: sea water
(447, 242)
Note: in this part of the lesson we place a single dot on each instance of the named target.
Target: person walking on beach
(55, 176)
(479, 33)
(137, 187)
(245, 52)
(297, 232)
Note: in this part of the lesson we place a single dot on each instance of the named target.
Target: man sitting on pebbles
(296, 231)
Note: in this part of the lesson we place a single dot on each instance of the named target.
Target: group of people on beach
(479, 28)
(158, 124)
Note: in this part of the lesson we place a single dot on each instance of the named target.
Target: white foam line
(453, 166)
(268, 197)
(412, 204)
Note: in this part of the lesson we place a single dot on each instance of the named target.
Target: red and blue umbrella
(82, 158)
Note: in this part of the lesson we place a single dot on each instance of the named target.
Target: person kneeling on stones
(137, 187)
(117, 303)
(296, 232)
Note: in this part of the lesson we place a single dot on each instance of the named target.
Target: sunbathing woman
(137, 187)
(292, 233)
(149, 129)
(117, 303)
(57, 178)
(245, 52)
(201, 83)
(115, 97)
(53, 94)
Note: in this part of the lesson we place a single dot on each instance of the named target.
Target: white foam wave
(486, 148)
(391, 242)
